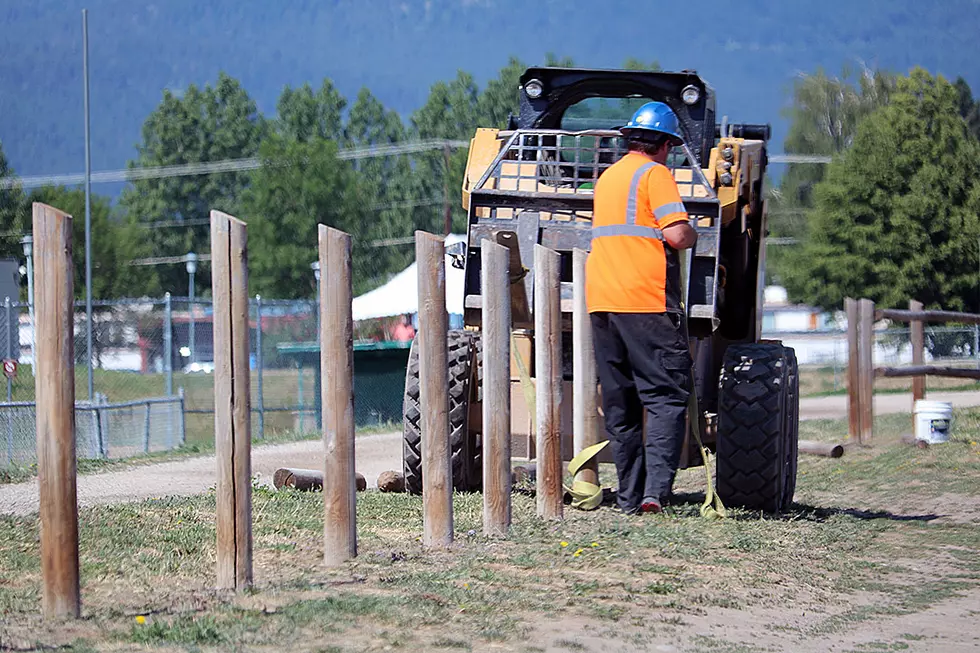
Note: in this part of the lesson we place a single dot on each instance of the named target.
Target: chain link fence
(823, 355)
(153, 382)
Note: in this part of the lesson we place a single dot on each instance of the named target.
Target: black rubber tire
(755, 454)
(792, 428)
(462, 354)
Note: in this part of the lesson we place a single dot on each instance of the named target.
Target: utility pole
(88, 212)
(447, 209)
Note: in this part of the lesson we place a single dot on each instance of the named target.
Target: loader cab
(577, 99)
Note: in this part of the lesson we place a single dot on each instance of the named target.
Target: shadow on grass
(684, 502)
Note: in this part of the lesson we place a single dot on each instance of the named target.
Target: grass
(877, 534)
(821, 381)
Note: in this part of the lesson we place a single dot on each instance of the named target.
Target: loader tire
(757, 427)
(465, 458)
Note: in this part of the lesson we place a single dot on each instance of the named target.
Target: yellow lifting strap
(588, 496)
(712, 508)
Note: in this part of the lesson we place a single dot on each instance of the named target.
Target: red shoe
(650, 505)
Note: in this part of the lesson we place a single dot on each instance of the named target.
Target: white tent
(401, 294)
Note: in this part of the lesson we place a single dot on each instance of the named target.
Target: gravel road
(375, 454)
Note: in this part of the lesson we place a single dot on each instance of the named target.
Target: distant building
(779, 316)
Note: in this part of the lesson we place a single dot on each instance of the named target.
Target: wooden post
(54, 385)
(337, 393)
(585, 417)
(437, 472)
(918, 354)
(232, 404)
(495, 290)
(867, 372)
(853, 371)
(548, 379)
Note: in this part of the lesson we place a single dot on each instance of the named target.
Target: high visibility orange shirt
(630, 268)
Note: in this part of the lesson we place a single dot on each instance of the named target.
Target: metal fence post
(168, 336)
(299, 391)
(10, 347)
(183, 426)
(146, 430)
(976, 343)
(10, 387)
(258, 364)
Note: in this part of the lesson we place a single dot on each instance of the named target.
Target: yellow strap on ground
(712, 508)
(527, 385)
(585, 495)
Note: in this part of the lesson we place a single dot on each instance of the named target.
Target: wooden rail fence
(861, 372)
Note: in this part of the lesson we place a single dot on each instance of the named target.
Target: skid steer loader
(533, 183)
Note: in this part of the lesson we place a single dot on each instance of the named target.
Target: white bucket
(933, 420)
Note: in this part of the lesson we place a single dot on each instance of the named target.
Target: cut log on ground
(829, 449)
(524, 474)
(391, 482)
(915, 442)
(307, 480)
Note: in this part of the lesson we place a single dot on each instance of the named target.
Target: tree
(209, 124)
(299, 185)
(501, 97)
(393, 194)
(896, 217)
(823, 118)
(109, 278)
(450, 112)
(14, 213)
(304, 115)
(969, 108)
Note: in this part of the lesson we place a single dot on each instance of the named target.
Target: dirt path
(375, 454)
(835, 407)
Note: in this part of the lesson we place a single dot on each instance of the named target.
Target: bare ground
(375, 454)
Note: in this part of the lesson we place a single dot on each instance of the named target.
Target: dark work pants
(643, 363)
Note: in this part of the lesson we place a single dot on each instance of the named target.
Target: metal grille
(564, 166)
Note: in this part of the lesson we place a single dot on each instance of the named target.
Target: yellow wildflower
(140, 619)
(466, 586)
(563, 543)
(577, 553)
(595, 544)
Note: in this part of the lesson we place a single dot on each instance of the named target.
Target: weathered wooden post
(917, 333)
(585, 418)
(495, 290)
(232, 404)
(437, 473)
(853, 371)
(548, 378)
(867, 372)
(337, 393)
(54, 385)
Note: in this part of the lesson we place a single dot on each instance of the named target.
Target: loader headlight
(690, 95)
(534, 89)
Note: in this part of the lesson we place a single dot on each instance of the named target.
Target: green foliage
(969, 108)
(209, 124)
(897, 215)
(305, 115)
(283, 209)
(14, 216)
(108, 277)
(824, 117)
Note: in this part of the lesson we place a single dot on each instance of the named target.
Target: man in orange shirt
(404, 331)
(633, 293)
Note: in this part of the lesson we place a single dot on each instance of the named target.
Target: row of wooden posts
(229, 268)
(861, 372)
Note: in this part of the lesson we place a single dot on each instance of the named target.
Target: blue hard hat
(654, 117)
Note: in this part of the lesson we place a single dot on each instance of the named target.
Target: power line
(799, 158)
(212, 167)
(254, 163)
